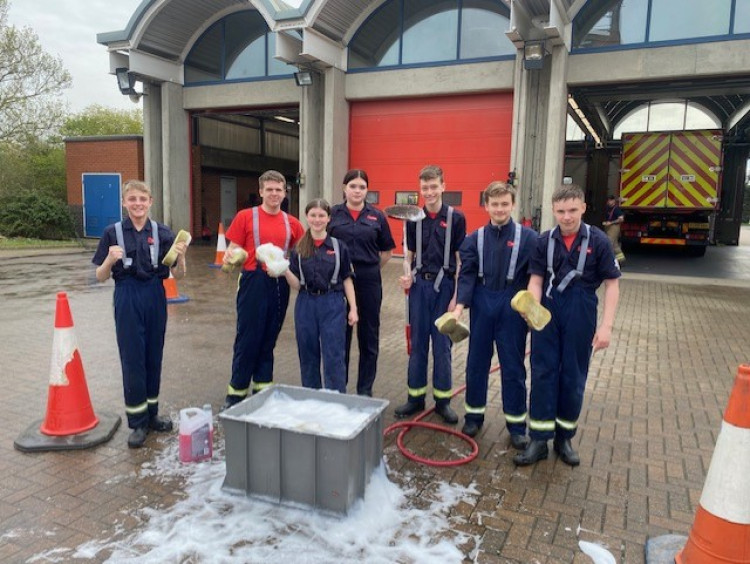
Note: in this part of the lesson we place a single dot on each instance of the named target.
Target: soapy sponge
(171, 257)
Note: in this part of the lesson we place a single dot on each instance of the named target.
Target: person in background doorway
(320, 268)
(261, 299)
(494, 266)
(366, 232)
(612, 219)
(131, 252)
(433, 244)
(570, 262)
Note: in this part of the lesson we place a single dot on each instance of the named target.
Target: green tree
(99, 120)
(31, 82)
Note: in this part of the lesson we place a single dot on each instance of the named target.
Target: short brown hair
(271, 176)
(568, 192)
(499, 188)
(137, 185)
(431, 172)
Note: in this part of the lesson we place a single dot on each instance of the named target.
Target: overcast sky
(68, 28)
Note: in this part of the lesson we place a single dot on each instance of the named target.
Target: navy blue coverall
(493, 320)
(561, 352)
(426, 304)
(140, 307)
(320, 317)
(367, 236)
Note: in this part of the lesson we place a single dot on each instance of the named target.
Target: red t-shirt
(272, 230)
(568, 240)
(354, 213)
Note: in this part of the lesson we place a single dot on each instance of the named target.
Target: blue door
(101, 202)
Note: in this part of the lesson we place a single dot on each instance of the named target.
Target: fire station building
(533, 90)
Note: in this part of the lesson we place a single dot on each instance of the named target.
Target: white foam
(309, 415)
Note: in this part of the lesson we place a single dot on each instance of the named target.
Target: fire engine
(669, 188)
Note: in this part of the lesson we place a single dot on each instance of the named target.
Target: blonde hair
(137, 185)
(498, 188)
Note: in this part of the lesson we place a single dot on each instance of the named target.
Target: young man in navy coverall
(140, 304)
(432, 292)
(261, 299)
(570, 263)
(366, 232)
(487, 287)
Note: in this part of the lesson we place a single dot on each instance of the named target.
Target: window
(407, 198)
(372, 197)
(666, 116)
(452, 198)
(692, 18)
(419, 32)
(614, 23)
(238, 47)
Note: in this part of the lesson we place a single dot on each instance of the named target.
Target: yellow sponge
(239, 256)
(171, 257)
(537, 316)
(448, 325)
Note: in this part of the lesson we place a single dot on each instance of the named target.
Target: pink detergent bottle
(196, 434)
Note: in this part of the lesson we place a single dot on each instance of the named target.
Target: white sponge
(273, 257)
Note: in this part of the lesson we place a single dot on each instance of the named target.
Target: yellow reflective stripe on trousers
(258, 386)
(235, 392)
(515, 418)
(536, 425)
(569, 425)
(418, 392)
(442, 394)
(135, 409)
(152, 401)
(474, 410)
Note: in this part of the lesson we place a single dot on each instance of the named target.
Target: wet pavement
(653, 409)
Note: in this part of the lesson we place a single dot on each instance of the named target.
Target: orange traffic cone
(221, 247)
(721, 530)
(70, 421)
(170, 289)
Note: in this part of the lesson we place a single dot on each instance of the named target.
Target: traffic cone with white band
(721, 529)
(221, 247)
(70, 422)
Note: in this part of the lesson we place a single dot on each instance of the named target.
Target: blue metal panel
(101, 202)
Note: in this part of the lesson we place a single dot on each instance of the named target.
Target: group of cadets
(336, 267)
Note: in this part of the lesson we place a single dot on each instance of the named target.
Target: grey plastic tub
(301, 467)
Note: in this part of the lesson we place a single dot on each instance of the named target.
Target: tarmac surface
(651, 416)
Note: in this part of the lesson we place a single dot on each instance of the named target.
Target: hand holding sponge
(171, 257)
(536, 315)
(273, 257)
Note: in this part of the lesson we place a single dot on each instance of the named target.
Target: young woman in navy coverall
(366, 232)
(320, 268)
(140, 305)
(570, 263)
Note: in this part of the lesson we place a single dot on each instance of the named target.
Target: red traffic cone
(170, 289)
(70, 422)
(69, 408)
(721, 529)
(221, 247)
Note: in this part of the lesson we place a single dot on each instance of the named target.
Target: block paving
(653, 409)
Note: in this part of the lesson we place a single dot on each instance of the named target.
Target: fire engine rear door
(645, 162)
(694, 167)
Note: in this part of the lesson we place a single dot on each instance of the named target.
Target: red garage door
(468, 136)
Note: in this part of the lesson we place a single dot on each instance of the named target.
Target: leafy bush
(36, 215)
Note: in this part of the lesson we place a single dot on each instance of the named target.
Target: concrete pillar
(540, 110)
(175, 148)
(311, 142)
(557, 108)
(335, 154)
(153, 168)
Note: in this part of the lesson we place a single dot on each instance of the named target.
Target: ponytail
(306, 245)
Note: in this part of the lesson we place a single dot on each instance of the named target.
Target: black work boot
(230, 401)
(471, 427)
(445, 411)
(536, 451)
(409, 408)
(138, 437)
(565, 452)
(519, 442)
(160, 424)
